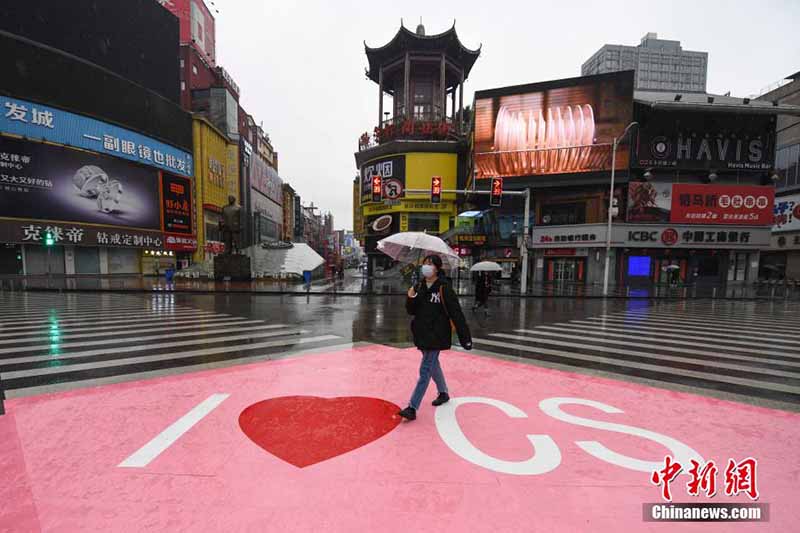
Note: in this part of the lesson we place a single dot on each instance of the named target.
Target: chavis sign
(36, 121)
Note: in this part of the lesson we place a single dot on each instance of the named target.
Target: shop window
(212, 231)
(423, 222)
(562, 214)
(737, 266)
(639, 266)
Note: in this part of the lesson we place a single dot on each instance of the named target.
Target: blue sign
(36, 121)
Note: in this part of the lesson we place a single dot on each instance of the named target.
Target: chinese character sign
(176, 193)
(786, 213)
(387, 168)
(35, 121)
(741, 205)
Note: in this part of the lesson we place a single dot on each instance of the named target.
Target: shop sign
(47, 182)
(36, 121)
(722, 204)
(180, 243)
(785, 242)
(682, 203)
(787, 213)
(593, 235)
(388, 168)
(214, 247)
(409, 206)
(473, 239)
(67, 234)
(689, 237)
(686, 141)
(176, 194)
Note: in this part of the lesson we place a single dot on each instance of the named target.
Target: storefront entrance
(565, 269)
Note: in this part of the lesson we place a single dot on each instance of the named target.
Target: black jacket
(431, 325)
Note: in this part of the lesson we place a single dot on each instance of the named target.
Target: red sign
(742, 205)
(180, 243)
(550, 252)
(669, 236)
(215, 247)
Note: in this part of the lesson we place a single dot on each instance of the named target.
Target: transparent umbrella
(411, 246)
(486, 266)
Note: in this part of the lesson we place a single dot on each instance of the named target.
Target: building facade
(781, 260)
(693, 194)
(660, 65)
(96, 172)
(217, 178)
(420, 133)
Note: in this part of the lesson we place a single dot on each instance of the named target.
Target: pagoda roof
(406, 40)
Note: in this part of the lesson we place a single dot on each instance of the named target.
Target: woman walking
(434, 306)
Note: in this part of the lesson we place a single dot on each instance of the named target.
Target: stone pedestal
(235, 267)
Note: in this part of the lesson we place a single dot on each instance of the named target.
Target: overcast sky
(300, 64)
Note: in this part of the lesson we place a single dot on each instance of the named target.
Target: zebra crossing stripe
(57, 337)
(57, 346)
(118, 325)
(138, 348)
(720, 378)
(650, 355)
(663, 341)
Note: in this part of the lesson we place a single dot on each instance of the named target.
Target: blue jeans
(428, 368)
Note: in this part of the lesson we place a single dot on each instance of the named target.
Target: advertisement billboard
(42, 181)
(36, 121)
(265, 179)
(557, 127)
(687, 203)
(787, 213)
(392, 171)
(695, 141)
(176, 197)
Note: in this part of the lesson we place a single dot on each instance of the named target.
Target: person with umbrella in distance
(434, 305)
(483, 283)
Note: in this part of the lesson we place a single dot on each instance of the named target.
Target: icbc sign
(669, 237)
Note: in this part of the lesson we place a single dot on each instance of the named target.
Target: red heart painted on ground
(305, 430)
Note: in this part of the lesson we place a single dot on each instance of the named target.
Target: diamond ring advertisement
(53, 183)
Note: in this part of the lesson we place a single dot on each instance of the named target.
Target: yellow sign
(404, 222)
(419, 206)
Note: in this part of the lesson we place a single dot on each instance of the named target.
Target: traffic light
(497, 192)
(49, 239)
(436, 190)
(377, 188)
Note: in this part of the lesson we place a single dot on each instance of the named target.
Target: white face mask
(428, 271)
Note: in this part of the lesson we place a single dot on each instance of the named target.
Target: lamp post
(614, 146)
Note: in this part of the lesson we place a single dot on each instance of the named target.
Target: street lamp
(614, 146)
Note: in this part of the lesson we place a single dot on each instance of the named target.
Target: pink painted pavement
(59, 454)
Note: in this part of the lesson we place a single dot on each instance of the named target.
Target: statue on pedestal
(230, 226)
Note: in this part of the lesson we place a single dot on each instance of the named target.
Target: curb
(392, 294)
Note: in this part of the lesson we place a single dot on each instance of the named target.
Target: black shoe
(442, 398)
(409, 413)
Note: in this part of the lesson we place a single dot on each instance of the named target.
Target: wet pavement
(356, 284)
(229, 411)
